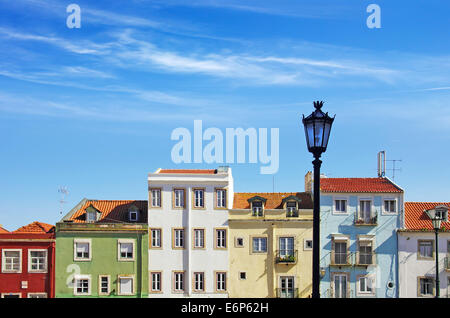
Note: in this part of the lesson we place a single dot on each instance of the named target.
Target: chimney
(308, 181)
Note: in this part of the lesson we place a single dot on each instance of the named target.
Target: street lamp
(436, 216)
(317, 131)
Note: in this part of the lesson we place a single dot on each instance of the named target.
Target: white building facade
(188, 232)
(417, 252)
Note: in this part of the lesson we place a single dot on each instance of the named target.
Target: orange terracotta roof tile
(416, 219)
(189, 171)
(382, 185)
(3, 230)
(36, 227)
(112, 211)
(274, 200)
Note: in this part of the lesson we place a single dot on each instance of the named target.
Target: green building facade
(102, 250)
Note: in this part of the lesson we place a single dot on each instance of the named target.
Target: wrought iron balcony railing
(287, 292)
(341, 259)
(371, 219)
(286, 257)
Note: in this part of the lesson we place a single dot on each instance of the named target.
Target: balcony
(287, 292)
(447, 263)
(341, 259)
(370, 220)
(286, 257)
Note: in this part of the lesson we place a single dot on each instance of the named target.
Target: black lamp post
(317, 131)
(436, 216)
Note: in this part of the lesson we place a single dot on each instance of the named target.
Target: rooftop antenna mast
(381, 164)
(64, 191)
(393, 167)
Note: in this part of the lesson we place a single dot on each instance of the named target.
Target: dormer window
(442, 213)
(91, 214)
(133, 214)
(257, 208)
(291, 208)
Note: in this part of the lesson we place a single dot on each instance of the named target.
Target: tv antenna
(64, 191)
(393, 167)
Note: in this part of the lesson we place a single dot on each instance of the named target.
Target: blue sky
(93, 108)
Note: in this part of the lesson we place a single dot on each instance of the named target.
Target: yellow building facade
(270, 251)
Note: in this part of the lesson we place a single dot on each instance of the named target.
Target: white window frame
(82, 277)
(200, 282)
(236, 242)
(158, 238)
(201, 238)
(179, 197)
(91, 212)
(133, 287)
(245, 274)
(224, 282)
(159, 282)
(305, 247)
(126, 241)
(4, 270)
(156, 198)
(259, 251)
(221, 199)
(200, 199)
(384, 212)
(221, 240)
(340, 198)
(175, 282)
(45, 261)
(32, 294)
(100, 284)
(372, 280)
(180, 238)
(82, 241)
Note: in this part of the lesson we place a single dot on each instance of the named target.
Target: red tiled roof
(382, 185)
(417, 219)
(35, 227)
(111, 210)
(189, 171)
(274, 200)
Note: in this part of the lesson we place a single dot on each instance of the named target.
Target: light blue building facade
(359, 219)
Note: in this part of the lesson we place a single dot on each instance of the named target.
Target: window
(390, 206)
(11, 295)
(286, 287)
(37, 295)
(425, 249)
(178, 238)
(308, 245)
(242, 275)
(426, 286)
(221, 281)
(133, 215)
(103, 282)
(259, 245)
(199, 238)
(178, 278)
(340, 285)
(442, 213)
(221, 198)
(286, 245)
(340, 252)
(340, 206)
(239, 242)
(155, 198)
(82, 285)
(126, 250)
(11, 261)
(199, 198)
(199, 282)
(365, 211)
(257, 208)
(178, 201)
(365, 285)
(221, 238)
(91, 216)
(82, 250)
(37, 260)
(155, 238)
(126, 285)
(365, 253)
(156, 281)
